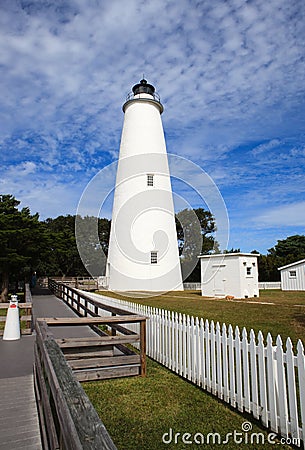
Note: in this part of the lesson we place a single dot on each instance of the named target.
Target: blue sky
(231, 76)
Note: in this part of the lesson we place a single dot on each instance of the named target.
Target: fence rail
(85, 283)
(68, 419)
(192, 286)
(117, 322)
(261, 285)
(253, 375)
(269, 285)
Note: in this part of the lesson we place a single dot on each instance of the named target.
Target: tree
(62, 256)
(290, 249)
(21, 241)
(232, 250)
(92, 236)
(194, 234)
(268, 268)
(286, 251)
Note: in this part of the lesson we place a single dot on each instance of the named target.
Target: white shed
(293, 276)
(229, 274)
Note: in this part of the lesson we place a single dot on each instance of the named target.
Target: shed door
(219, 282)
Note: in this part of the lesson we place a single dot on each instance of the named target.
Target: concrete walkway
(19, 426)
(51, 306)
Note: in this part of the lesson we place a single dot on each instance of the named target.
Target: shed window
(292, 273)
(153, 257)
(150, 179)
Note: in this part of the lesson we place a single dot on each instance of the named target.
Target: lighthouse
(143, 251)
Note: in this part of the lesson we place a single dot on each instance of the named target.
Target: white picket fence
(269, 285)
(252, 375)
(192, 286)
(261, 285)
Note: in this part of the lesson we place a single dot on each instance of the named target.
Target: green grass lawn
(137, 412)
(275, 311)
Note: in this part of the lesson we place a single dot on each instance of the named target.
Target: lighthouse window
(153, 257)
(249, 270)
(150, 180)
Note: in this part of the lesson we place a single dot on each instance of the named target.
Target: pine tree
(20, 241)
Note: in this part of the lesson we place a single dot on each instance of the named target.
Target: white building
(143, 250)
(230, 274)
(293, 276)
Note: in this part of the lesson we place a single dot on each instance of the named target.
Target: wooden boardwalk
(19, 426)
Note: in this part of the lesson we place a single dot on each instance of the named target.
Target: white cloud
(26, 168)
(263, 148)
(284, 215)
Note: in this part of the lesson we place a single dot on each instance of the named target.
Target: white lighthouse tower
(143, 250)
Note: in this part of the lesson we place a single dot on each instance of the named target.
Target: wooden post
(143, 347)
(28, 312)
(78, 304)
(86, 308)
(113, 330)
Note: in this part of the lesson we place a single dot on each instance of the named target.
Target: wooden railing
(67, 417)
(85, 283)
(118, 335)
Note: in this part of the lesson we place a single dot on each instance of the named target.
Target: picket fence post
(207, 359)
(213, 357)
(301, 373)
(184, 338)
(262, 378)
(282, 393)
(219, 361)
(180, 343)
(253, 371)
(226, 390)
(231, 365)
(238, 367)
(271, 383)
(246, 372)
(292, 397)
(202, 353)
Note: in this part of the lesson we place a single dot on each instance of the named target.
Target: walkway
(19, 426)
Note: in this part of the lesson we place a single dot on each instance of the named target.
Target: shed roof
(227, 254)
(292, 264)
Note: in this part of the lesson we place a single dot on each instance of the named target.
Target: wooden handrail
(79, 302)
(69, 419)
(66, 321)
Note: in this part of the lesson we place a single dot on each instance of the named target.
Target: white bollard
(12, 324)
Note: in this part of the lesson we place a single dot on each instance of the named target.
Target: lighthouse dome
(143, 92)
(143, 88)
